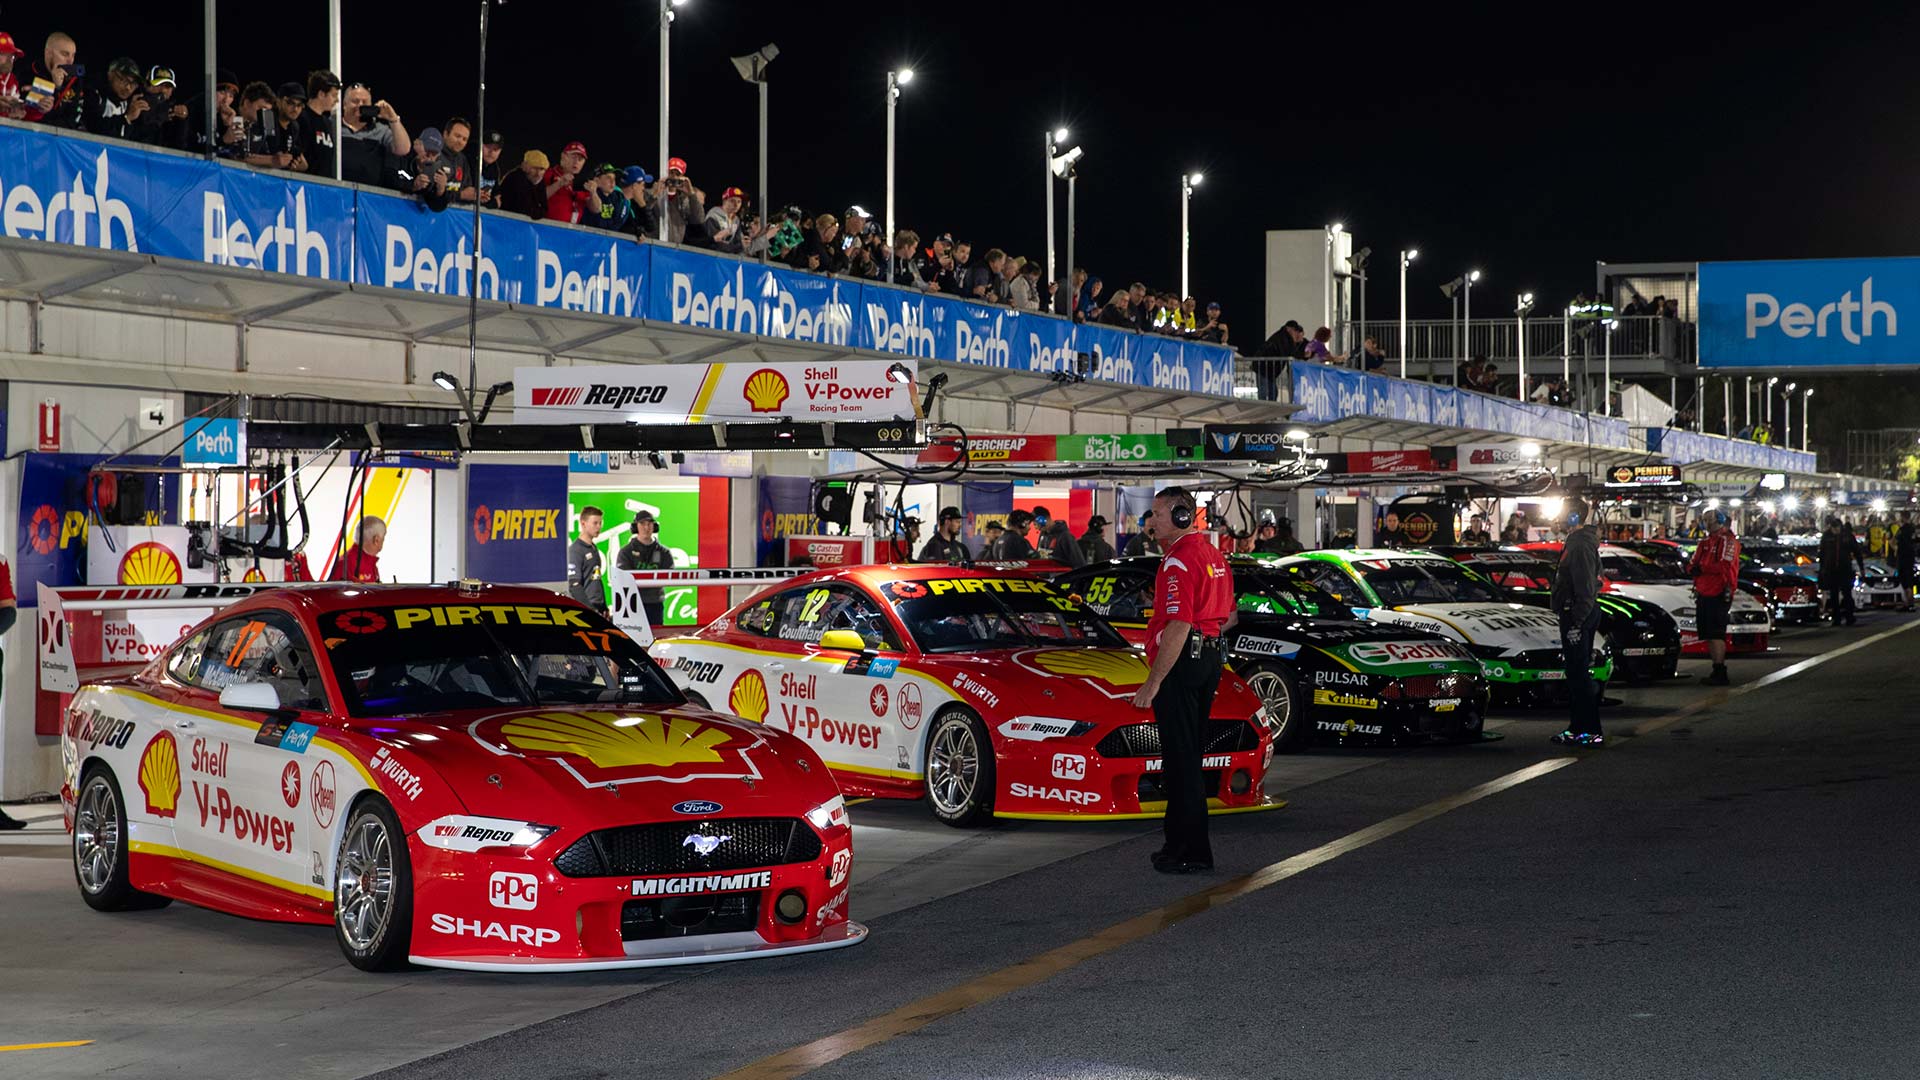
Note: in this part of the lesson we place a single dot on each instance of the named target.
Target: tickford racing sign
(707, 393)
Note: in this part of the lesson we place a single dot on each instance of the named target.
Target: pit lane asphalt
(1727, 896)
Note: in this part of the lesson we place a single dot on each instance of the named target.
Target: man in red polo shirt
(9, 609)
(1192, 603)
(1715, 569)
(362, 560)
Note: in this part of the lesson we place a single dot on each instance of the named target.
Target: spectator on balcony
(1027, 289)
(1087, 305)
(1018, 288)
(983, 279)
(490, 171)
(189, 132)
(162, 85)
(906, 259)
(1066, 294)
(726, 230)
(1212, 329)
(930, 258)
(962, 265)
(1490, 378)
(1370, 356)
(1186, 316)
(1467, 376)
(860, 263)
(455, 134)
(11, 106)
(607, 207)
(564, 201)
(944, 274)
(1115, 313)
(636, 183)
(122, 110)
(1320, 350)
(313, 131)
(522, 190)
(684, 204)
(53, 91)
(820, 251)
(1139, 309)
(265, 143)
(854, 225)
(427, 175)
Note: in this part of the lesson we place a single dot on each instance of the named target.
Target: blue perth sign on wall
(1810, 313)
(79, 191)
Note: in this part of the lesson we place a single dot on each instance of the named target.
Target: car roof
(1353, 555)
(320, 599)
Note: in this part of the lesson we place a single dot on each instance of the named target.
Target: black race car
(1643, 638)
(1323, 673)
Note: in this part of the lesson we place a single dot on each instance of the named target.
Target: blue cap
(634, 174)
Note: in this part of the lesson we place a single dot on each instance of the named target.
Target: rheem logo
(519, 892)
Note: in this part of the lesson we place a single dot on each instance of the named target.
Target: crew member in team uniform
(1014, 546)
(642, 552)
(1193, 602)
(586, 570)
(9, 610)
(362, 561)
(946, 545)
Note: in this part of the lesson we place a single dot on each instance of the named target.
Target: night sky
(1527, 142)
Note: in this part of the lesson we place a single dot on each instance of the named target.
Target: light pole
(1806, 406)
(1606, 367)
(1746, 404)
(1062, 165)
(1057, 135)
(1771, 379)
(895, 80)
(334, 64)
(753, 68)
(1786, 416)
(1327, 317)
(1406, 259)
(1522, 305)
(1188, 181)
(666, 29)
(1466, 321)
(1451, 290)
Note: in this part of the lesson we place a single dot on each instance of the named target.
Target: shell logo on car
(149, 563)
(748, 697)
(766, 390)
(160, 775)
(611, 741)
(1113, 668)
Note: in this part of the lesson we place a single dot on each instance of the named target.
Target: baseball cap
(160, 76)
(1096, 522)
(994, 526)
(292, 90)
(431, 141)
(1291, 325)
(494, 138)
(634, 174)
(606, 169)
(856, 211)
(733, 193)
(125, 66)
(950, 513)
(225, 77)
(575, 147)
(645, 517)
(1215, 306)
(7, 45)
(535, 157)
(909, 521)
(944, 238)
(677, 165)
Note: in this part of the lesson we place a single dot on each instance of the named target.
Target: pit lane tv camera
(1184, 442)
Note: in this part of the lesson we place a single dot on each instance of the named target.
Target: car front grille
(688, 916)
(663, 847)
(1143, 740)
(1748, 617)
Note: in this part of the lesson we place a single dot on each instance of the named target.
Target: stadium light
(1406, 259)
(753, 68)
(895, 80)
(1188, 181)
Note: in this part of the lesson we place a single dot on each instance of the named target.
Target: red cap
(678, 165)
(575, 148)
(7, 45)
(733, 193)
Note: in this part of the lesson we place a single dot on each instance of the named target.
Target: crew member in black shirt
(642, 552)
(586, 572)
(1014, 546)
(946, 545)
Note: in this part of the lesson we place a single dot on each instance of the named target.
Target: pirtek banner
(516, 531)
(707, 393)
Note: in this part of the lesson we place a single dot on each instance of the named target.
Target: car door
(833, 698)
(244, 802)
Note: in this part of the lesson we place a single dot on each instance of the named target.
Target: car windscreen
(963, 614)
(1514, 571)
(398, 661)
(1671, 562)
(1283, 591)
(1775, 557)
(1424, 581)
(1623, 566)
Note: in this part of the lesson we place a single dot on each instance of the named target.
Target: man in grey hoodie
(1576, 599)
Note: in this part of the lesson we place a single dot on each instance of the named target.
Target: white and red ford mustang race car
(473, 777)
(987, 692)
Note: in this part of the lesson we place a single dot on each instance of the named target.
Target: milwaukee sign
(709, 393)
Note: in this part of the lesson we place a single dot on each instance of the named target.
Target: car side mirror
(843, 640)
(251, 696)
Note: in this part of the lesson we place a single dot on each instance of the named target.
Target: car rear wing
(627, 612)
(59, 672)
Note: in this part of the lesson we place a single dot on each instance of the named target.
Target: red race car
(988, 692)
(475, 777)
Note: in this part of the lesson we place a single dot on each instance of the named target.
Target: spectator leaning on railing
(726, 230)
(636, 184)
(607, 207)
(686, 205)
(490, 171)
(427, 173)
(456, 133)
(313, 132)
(371, 133)
(522, 191)
(11, 105)
(53, 91)
(1214, 329)
(1115, 313)
(121, 109)
(564, 201)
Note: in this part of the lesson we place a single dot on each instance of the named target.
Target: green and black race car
(1322, 673)
(1518, 645)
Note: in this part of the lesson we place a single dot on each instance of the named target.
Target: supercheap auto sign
(707, 393)
(514, 528)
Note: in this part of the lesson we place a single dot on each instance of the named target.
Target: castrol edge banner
(708, 393)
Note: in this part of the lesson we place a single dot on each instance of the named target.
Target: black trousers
(1181, 710)
(1839, 599)
(1583, 694)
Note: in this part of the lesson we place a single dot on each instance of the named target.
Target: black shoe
(9, 823)
(1718, 677)
(1181, 866)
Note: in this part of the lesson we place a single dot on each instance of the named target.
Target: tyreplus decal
(599, 748)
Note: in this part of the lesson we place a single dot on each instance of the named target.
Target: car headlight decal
(829, 814)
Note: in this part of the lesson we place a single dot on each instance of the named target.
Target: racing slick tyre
(373, 890)
(1279, 691)
(100, 847)
(960, 773)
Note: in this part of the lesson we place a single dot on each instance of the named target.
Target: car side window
(850, 609)
(186, 658)
(1333, 580)
(758, 619)
(261, 646)
(806, 614)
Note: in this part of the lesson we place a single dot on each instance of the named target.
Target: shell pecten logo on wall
(160, 775)
(766, 390)
(748, 697)
(149, 563)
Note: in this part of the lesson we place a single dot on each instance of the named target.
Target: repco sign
(611, 396)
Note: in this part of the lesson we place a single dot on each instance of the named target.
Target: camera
(369, 113)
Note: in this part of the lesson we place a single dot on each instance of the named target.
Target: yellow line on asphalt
(45, 1046)
(918, 1014)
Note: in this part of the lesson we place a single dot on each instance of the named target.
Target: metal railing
(1437, 347)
